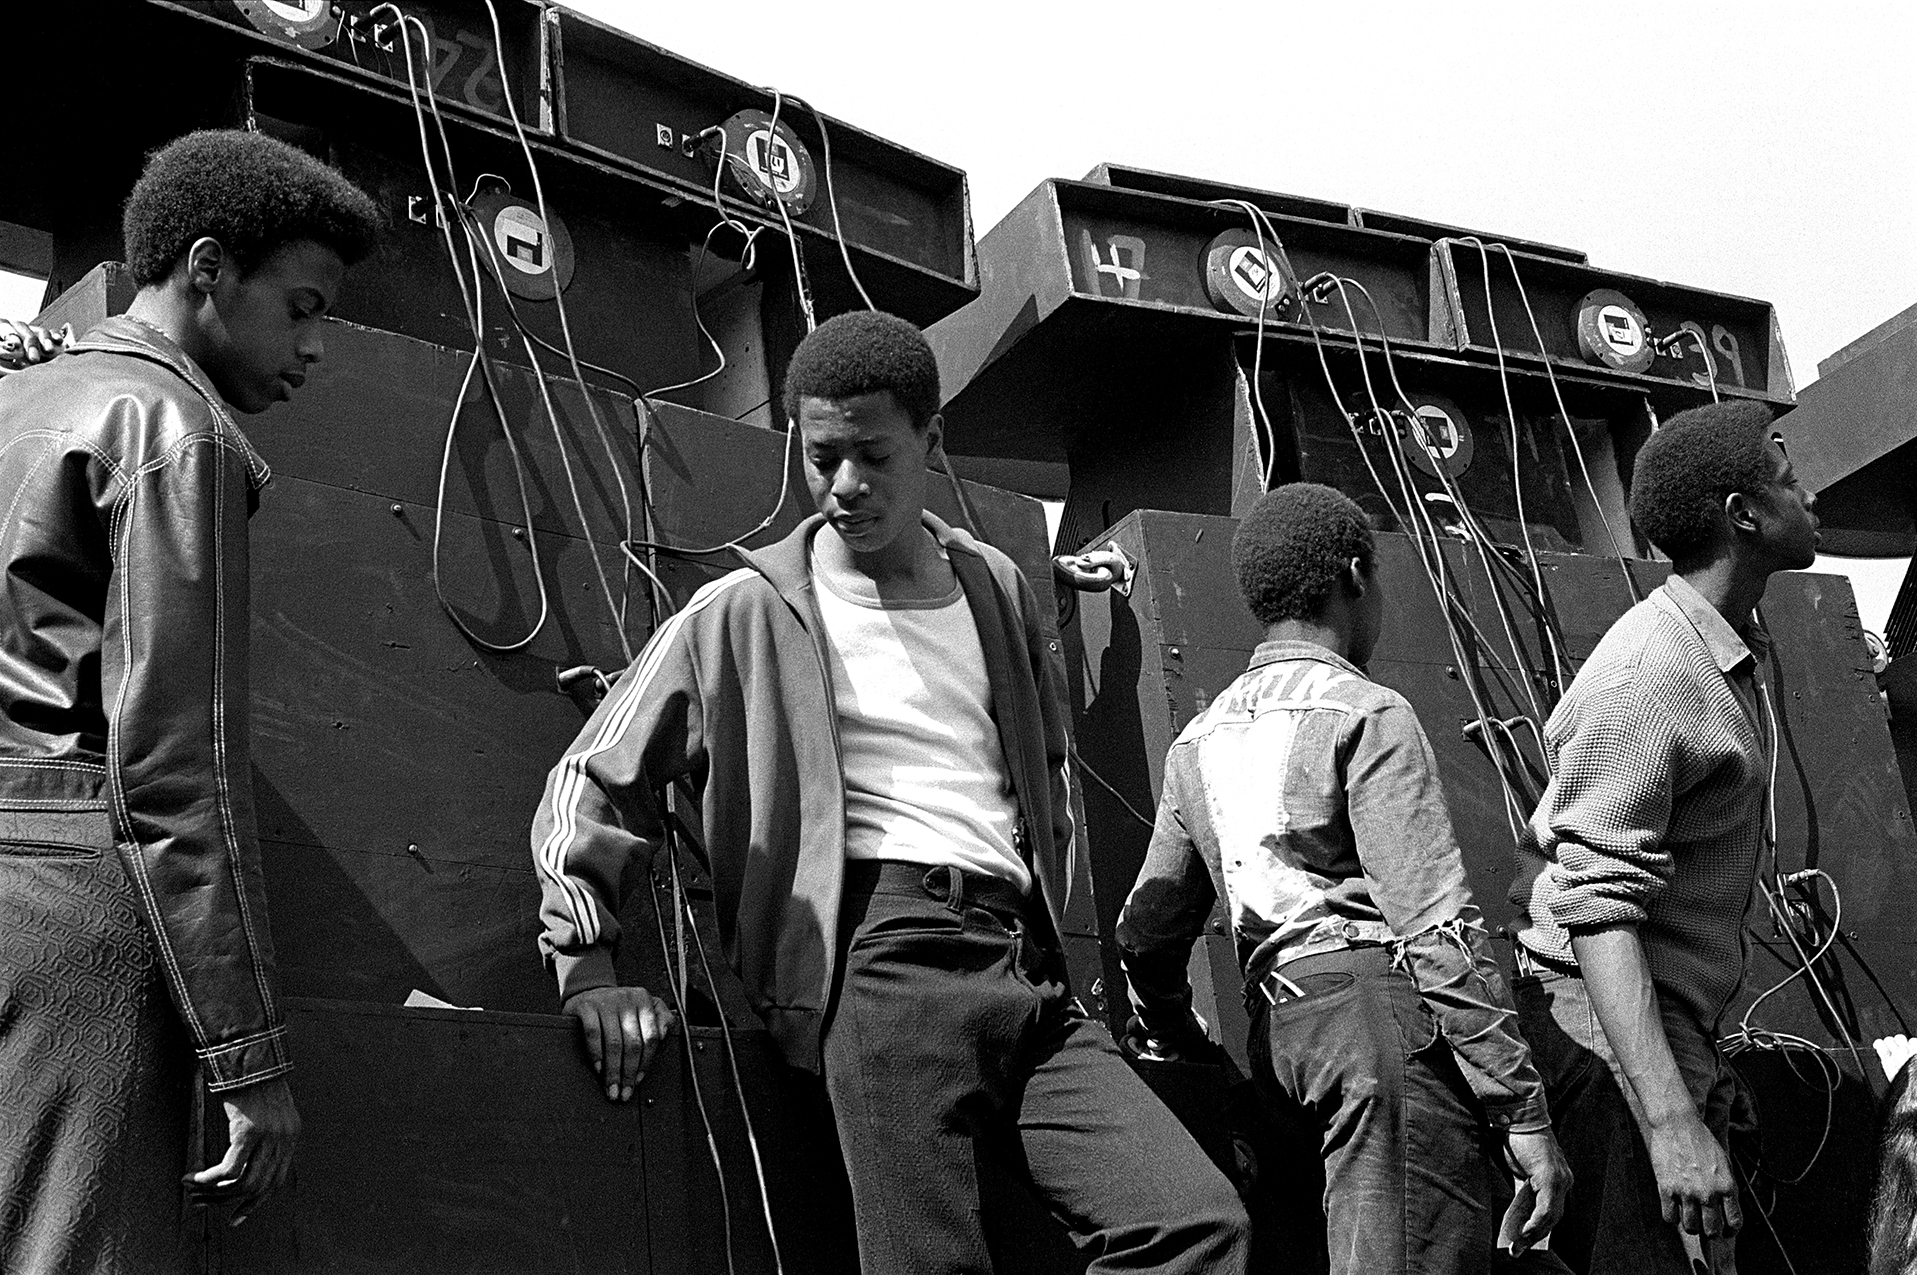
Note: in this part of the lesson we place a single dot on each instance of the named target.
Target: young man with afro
(133, 932)
(867, 711)
(1638, 864)
(1306, 796)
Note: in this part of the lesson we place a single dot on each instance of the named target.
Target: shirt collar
(1273, 652)
(124, 334)
(1727, 646)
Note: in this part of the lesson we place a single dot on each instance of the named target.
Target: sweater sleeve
(600, 819)
(1607, 809)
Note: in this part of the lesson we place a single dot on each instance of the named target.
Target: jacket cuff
(247, 1061)
(1521, 1115)
(582, 971)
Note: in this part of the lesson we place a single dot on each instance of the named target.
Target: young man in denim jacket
(1308, 796)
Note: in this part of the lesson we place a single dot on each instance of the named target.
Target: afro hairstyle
(251, 192)
(1290, 548)
(1686, 469)
(863, 352)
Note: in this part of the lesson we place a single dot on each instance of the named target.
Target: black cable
(470, 302)
(565, 329)
(1106, 784)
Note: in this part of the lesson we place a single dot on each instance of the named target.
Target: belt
(1326, 937)
(1533, 964)
(951, 886)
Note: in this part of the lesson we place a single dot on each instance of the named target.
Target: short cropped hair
(252, 193)
(863, 352)
(1290, 548)
(1686, 469)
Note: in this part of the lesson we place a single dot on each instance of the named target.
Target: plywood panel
(373, 417)
(1151, 661)
(440, 1141)
(376, 724)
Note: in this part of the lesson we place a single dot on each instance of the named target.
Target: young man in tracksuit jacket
(1307, 796)
(868, 710)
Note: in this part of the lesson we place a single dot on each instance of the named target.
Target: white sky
(1757, 148)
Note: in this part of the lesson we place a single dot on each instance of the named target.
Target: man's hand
(261, 1128)
(624, 1027)
(1546, 1188)
(24, 343)
(1893, 1052)
(1694, 1177)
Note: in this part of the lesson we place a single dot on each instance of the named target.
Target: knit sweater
(1655, 811)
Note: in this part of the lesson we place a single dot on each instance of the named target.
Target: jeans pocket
(54, 834)
(1417, 1025)
(890, 918)
(1555, 1017)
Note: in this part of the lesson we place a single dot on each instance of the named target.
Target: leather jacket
(125, 489)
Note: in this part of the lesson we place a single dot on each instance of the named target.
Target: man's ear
(935, 444)
(206, 261)
(1358, 576)
(1742, 512)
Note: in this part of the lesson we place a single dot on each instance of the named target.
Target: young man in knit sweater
(1637, 867)
(868, 711)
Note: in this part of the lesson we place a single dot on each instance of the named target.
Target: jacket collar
(1273, 652)
(123, 334)
(1728, 648)
(787, 564)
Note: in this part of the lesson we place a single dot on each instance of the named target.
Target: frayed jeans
(954, 1048)
(1356, 1071)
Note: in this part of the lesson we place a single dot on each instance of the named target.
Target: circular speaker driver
(770, 166)
(1244, 275)
(1441, 434)
(307, 24)
(531, 257)
(1611, 331)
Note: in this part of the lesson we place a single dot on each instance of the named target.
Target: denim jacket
(1309, 795)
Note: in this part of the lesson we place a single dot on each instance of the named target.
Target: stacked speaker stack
(399, 756)
(1155, 351)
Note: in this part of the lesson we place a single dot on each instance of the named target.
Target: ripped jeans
(1413, 1180)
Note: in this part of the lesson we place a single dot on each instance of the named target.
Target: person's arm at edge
(174, 665)
(1163, 916)
(1695, 1184)
(1608, 824)
(1394, 800)
(598, 817)
(1402, 830)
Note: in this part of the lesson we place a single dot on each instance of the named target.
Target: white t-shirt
(925, 777)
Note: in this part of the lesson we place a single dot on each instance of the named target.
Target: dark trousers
(95, 1067)
(955, 1046)
(1615, 1223)
(1356, 1069)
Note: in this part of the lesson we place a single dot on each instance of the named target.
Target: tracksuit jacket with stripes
(732, 693)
